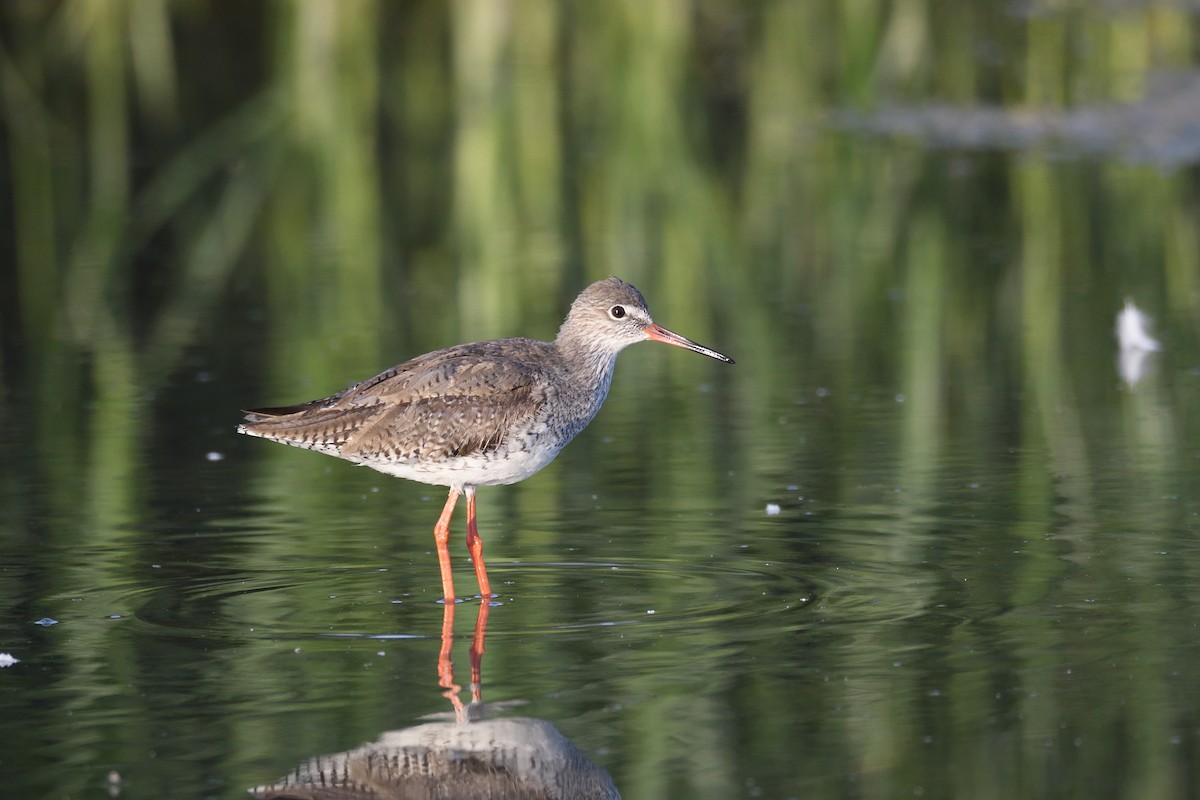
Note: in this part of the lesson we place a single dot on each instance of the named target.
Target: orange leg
(441, 537)
(475, 545)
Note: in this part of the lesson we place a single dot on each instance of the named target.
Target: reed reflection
(465, 757)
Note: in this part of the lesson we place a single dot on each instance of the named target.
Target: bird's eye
(616, 312)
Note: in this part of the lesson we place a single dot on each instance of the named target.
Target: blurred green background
(982, 579)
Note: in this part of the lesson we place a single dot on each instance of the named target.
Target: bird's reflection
(469, 757)
(446, 666)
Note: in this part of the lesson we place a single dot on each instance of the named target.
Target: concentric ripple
(541, 598)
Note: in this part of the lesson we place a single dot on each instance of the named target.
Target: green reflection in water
(982, 583)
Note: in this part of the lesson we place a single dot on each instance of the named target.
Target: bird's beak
(657, 333)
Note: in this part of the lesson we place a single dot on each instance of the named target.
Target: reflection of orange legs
(475, 545)
(446, 665)
(477, 652)
(441, 537)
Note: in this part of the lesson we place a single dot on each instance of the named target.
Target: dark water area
(933, 535)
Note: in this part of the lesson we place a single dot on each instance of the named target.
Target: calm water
(922, 540)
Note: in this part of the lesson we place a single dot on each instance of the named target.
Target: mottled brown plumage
(448, 404)
(477, 414)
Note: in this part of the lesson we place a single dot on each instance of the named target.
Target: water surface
(922, 540)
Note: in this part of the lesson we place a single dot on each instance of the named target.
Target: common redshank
(479, 414)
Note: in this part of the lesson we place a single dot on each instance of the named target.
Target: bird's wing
(459, 407)
(450, 403)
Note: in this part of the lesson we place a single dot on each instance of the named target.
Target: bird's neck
(587, 360)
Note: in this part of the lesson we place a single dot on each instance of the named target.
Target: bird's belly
(490, 468)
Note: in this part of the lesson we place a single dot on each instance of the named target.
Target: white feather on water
(1134, 342)
(1133, 330)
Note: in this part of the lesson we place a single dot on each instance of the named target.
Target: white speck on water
(374, 490)
(46, 622)
(213, 455)
(397, 602)
(7, 660)
(793, 487)
(1133, 330)
(772, 509)
(822, 392)
(156, 566)
(649, 610)
(381, 652)
(297, 650)
(900, 398)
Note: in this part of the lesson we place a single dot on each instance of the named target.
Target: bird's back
(441, 410)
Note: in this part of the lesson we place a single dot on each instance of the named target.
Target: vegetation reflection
(214, 202)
